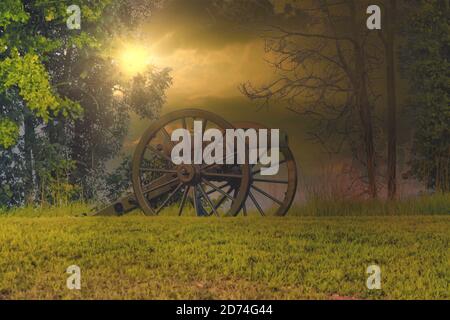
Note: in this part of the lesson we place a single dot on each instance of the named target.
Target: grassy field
(228, 258)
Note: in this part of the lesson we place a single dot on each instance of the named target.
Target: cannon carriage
(203, 189)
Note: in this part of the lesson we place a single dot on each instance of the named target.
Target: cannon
(203, 189)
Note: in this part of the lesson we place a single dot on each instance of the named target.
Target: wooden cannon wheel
(215, 189)
(158, 183)
(285, 180)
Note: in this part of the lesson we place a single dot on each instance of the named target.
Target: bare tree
(323, 72)
(388, 38)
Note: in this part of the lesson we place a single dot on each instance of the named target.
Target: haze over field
(211, 53)
(211, 56)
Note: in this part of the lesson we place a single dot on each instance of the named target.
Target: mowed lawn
(137, 257)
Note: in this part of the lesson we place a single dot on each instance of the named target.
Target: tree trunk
(365, 114)
(392, 100)
(29, 142)
(367, 127)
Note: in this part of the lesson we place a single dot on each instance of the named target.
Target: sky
(211, 53)
(213, 47)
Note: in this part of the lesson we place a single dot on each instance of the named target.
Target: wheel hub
(187, 174)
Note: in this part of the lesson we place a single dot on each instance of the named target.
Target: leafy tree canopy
(24, 48)
(426, 64)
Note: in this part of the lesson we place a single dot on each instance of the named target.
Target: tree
(393, 20)
(56, 85)
(323, 72)
(108, 99)
(29, 32)
(426, 66)
(119, 181)
(23, 50)
(388, 38)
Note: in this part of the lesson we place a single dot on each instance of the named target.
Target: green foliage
(98, 136)
(138, 257)
(427, 67)
(30, 31)
(12, 11)
(146, 94)
(57, 84)
(53, 172)
(30, 76)
(119, 181)
(9, 131)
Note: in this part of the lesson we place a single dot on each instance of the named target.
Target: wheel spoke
(167, 136)
(252, 197)
(158, 170)
(208, 199)
(183, 200)
(268, 195)
(217, 189)
(161, 154)
(149, 188)
(270, 180)
(218, 204)
(168, 198)
(220, 187)
(223, 175)
(195, 200)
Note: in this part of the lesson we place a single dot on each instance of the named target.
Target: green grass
(72, 210)
(228, 258)
(437, 204)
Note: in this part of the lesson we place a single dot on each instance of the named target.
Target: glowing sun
(134, 60)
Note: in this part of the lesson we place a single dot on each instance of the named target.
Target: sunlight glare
(134, 60)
